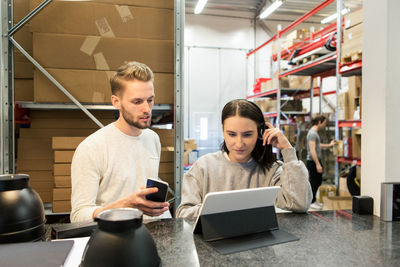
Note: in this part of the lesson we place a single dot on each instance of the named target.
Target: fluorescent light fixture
(199, 7)
(334, 16)
(270, 9)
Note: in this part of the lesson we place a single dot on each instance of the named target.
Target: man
(110, 167)
(314, 156)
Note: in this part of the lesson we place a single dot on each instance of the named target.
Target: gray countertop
(327, 238)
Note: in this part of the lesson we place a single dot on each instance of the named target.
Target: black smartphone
(161, 194)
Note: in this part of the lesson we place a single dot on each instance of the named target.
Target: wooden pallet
(352, 57)
(307, 59)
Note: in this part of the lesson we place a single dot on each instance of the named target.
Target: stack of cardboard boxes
(191, 153)
(34, 154)
(82, 43)
(269, 105)
(166, 168)
(352, 37)
(350, 102)
(64, 148)
(23, 69)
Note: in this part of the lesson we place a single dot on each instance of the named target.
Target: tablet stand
(240, 230)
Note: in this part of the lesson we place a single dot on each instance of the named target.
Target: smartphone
(161, 194)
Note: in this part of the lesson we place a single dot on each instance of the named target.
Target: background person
(314, 156)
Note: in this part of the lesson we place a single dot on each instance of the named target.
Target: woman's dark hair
(243, 108)
(318, 118)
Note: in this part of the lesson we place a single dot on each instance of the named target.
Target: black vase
(22, 216)
(120, 240)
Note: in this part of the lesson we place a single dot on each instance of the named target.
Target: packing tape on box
(98, 97)
(100, 61)
(104, 28)
(90, 44)
(124, 13)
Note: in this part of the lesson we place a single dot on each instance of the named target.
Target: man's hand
(138, 200)
(319, 168)
(332, 143)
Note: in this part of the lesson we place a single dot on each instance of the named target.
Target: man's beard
(128, 118)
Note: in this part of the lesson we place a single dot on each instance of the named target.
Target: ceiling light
(199, 7)
(334, 16)
(270, 9)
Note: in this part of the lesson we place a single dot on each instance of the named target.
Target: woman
(246, 161)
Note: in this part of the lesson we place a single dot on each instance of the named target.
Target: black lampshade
(121, 240)
(22, 213)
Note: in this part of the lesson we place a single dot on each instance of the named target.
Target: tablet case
(35, 254)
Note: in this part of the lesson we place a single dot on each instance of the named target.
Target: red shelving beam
(349, 160)
(350, 66)
(292, 25)
(270, 92)
(350, 123)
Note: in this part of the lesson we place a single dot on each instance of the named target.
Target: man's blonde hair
(128, 72)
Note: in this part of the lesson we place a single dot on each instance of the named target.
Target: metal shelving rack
(324, 66)
(7, 142)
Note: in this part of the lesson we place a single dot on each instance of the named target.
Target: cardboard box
(284, 81)
(62, 169)
(298, 34)
(354, 94)
(167, 154)
(166, 167)
(34, 149)
(63, 156)
(23, 89)
(326, 190)
(141, 3)
(71, 114)
(190, 144)
(37, 176)
(299, 82)
(338, 203)
(353, 33)
(99, 19)
(61, 206)
(338, 148)
(24, 38)
(69, 142)
(45, 196)
(356, 143)
(343, 190)
(90, 86)
(34, 164)
(352, 41)
(23, 70)
(20, 9)
(67, 51)
(62, 181)
(167, 137)
(343, 106)
(62, 194)
(353, 18)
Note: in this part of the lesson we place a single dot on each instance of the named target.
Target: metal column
(179, 112)
(339, 7)
(7, 162)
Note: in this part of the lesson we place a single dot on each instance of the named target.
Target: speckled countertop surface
(327, 238)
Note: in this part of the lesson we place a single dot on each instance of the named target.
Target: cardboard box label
(125, 13)
(104, 28)
(90, 44)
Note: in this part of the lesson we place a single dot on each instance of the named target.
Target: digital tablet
(225, 201)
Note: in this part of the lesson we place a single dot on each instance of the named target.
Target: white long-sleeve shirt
(215, 172)
(109, 165)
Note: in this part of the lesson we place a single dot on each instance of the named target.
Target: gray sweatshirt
(215, 172)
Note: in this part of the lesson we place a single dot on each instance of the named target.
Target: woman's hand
(273, 136)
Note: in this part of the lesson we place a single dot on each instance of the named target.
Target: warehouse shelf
(275, 114)
(316, 66)
(350, 123)
(316, 91)
(36, 105)
(273, 93)
(349, 160)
